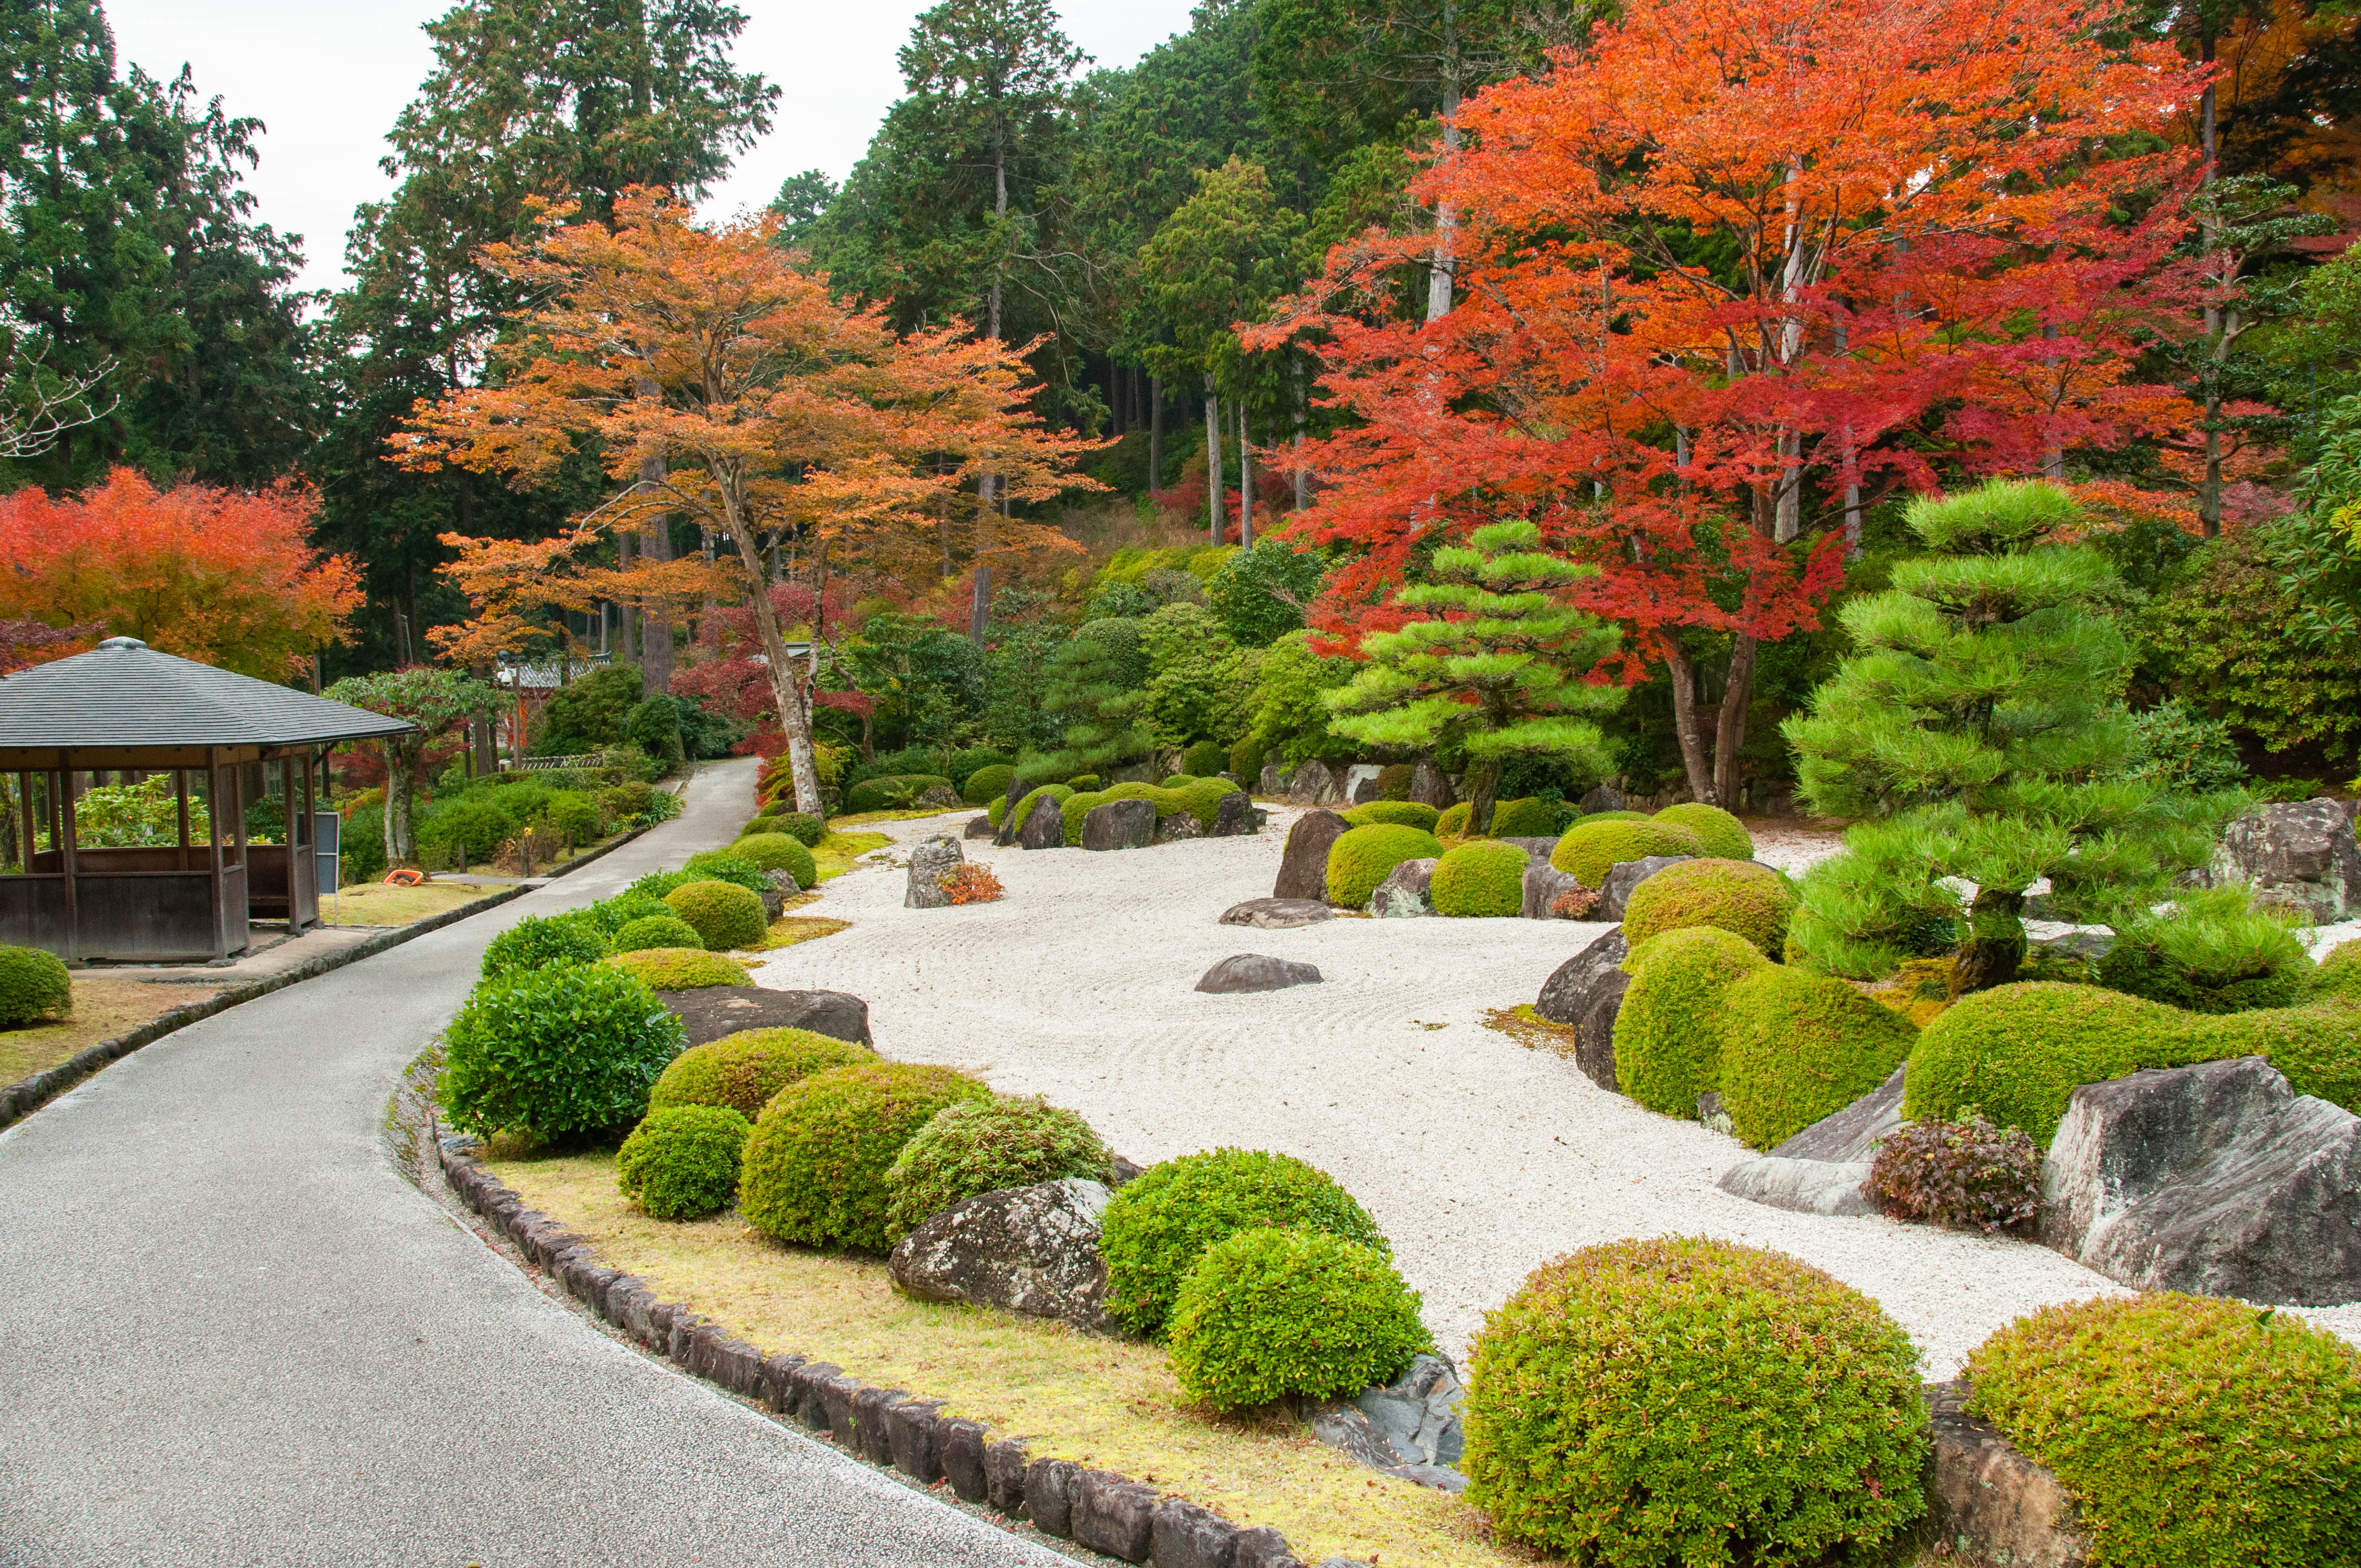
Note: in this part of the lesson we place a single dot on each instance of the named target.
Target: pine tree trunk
(1995, 945)
(1245, 483)
(1483, 786)
(1214, 460)
(1155, 434)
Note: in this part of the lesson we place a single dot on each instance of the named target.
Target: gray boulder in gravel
(777, 888)
(1544, 886)
(1624, 876)
(1236, 816)
(1278, 914)
(1803, 1185)
(936, 857)
(979, 827)
(1272, 782)
(1033, 1250)
(713, 1011)
(1586, 991)
(2218, 1180)
(2301, 854)
(1045, 828)
(1119, 825)
(1254, 971)
(1303, 862)
(1406, 892)
(1312, 784)
(1179, 828)
(1854, 1133)
(1602, 797)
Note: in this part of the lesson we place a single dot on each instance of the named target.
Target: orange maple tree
(1730, 274)
(226, 577)
(718, 379)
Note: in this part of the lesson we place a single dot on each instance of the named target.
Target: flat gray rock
(1254, 971)
(1278, 914)
(714, 1011)
(1409, 1426)
(935, 857)
(1119, 825)
(1988, 1500)
(1852, 1134)
(1303, 862)
(1623, 876)
(1803, 1185)
(1033, 1250)
(979, 827)
(1406, 892)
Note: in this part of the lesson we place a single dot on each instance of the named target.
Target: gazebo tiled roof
(124, 695)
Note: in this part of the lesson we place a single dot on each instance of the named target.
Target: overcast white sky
(327, 77)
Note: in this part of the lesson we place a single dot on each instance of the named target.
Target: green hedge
(805, 831)
(984, 1145)
(1723, 836)
(814, 1172)
(725, 914)
(1205, 760)
(745, 1069)
(1798, 1047)
(681, 968)
(1668, 1034)
(1591, 847)
(1277, 1311)
(681, 1162)
(1403, 813)
(612, 915)
(35, 987)
(1737, 896)
(555, 1051)
(1361, 858)
(1479, 880)
(778, 852)
(541, 941)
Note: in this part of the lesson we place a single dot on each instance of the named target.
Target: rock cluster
(1406, 892)
(1586, 991)
(1120, 825)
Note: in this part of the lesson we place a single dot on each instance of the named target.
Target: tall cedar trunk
(2209, 494)
(1155, 434)
(1446, 216)
(1682, 674)
(1484, 784)
(791, 678)
(1217, 523)
(1729, 731)
(1245, 483)
(1303, 476)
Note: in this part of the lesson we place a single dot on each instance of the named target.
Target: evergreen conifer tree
(1096, 688)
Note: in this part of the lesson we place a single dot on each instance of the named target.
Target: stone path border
(1101, 1509)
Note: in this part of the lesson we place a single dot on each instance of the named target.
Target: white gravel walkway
(1480, 1158)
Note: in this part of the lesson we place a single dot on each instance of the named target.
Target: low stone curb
(27, 1095)
(1107, 1512)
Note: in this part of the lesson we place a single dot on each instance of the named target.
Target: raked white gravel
(1480, 1158)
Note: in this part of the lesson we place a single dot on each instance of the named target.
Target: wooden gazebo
(125, 709)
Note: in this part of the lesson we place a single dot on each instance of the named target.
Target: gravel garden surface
(1480, 1158)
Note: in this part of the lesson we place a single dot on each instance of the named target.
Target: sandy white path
(1482, 1159)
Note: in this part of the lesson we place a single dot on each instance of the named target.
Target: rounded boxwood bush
(1616, 816)
(542, 942)
(1273, 1311)
(1205, 760)
(681, 968)
(1591, 847)
(987, 785)
(1667, 1032)
(725, 865)
(1530, 816)
(1737, 896)
(1479, 879)
(577, 816)
(2193, 1432)
(1159, 1223)
(777, 852)
(1201, 798)
(665, 930)
(725, 914)
(2339, 971)
(611, 914)
(805, 831)
(1798, 1047)
(1686, 1401)
(983, 1145)
(1453, 822)
(814, 1171)
(1723, 836)
(34, 986)
(555, 1051)
(1406, 813)
(681, 1162)
(745, 1069)
(893, 792)
(1361, 858)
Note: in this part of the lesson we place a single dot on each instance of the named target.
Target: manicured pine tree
(1498, 672)
(1097, 683)
(1980, 734)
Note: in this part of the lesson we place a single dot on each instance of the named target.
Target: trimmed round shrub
(725, 865)
(1798, 1047)
(1737, 896)
(1616, 816)
(745, 1069)
(983, 1145)
(611, 914)
(576, 815)
(1057, 792)
(1361, 858)
(34, 986)
(681, 1162)
(814, 1171)
(1479, 879)
(725, 914)
(1724, 837)
(1278, 1311)
(1453, 822)
(2193, 1432)
(1529, 818)
(1591, 847)
(1201, 798)
(542, 941)
(805, 831)
(2339, 973)
(665, 930)
(1667, 1032)
(681, 968)
(1205, 760)
(1692, 1402)
(987, 785)
(1160, 1223)
(777, 852)
(555, 1051)
(1405, 813)
(1393, 781)
(1247, 759)
(2211, 951)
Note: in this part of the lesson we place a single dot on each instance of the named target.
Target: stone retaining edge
(1100, 1509)
(27, 1095)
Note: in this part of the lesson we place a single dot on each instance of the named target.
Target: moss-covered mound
(1205, 760)
(724, 915)
(1737, 896)
(1591, 847)
(725, 865)
(778, 852)
(745, 1069)
(665, 930)
(681, 968)
(1361, 858)
(611, 914)
(987, 785)
(805, 831)
(1393, 781)
(1667, 1032)
(983, 1145)
(1797, 1046)
(814, 1171)
(35, 986)
(1405, 813)
(1282, 1310)
(1723, 836)
(1528, 818)
(1453, 823)
(2193, 1432)
(681, 1162)
(1479, 879)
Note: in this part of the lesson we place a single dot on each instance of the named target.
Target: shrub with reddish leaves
(1960, 1175)
(968, 883)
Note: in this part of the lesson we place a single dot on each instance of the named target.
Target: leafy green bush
(1273, 1311)
(1797, 1046)
(725, 865)
(2193, 1432)
(681, 968)
(777, 852)
(2177, 747)
(983, 1145)
(474, 826)
(681, 1162)
(1453, 822)
(1393, 781)
(725, 914)
(611, 914)
(1530, 817)
(1724, 837)
(2339, 971)
(1361, 858)
(542, 941)
(361, 847)
(2210, 950)
(805, 831)
(987, 785)
(665, 930)
(34, 986)
(814, 1169)
(894, 792)
(659, 885)
(1159, 1223)
(1404, 812)
(1591, 847)
(1667, 1039)
(575, 816)
(1205, 760)
(745, 1069)
(1683, 1401)
(626, 800)
(555, 1051)
(1737, 896)
(1479, 879)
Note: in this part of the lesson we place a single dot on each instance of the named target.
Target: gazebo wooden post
(25, 810)
(66, 856)
(181, 799)
(214, 848)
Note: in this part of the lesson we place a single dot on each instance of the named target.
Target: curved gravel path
(231, 1333)
(1480, 1158)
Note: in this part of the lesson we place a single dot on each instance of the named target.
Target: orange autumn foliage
(226, 577)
